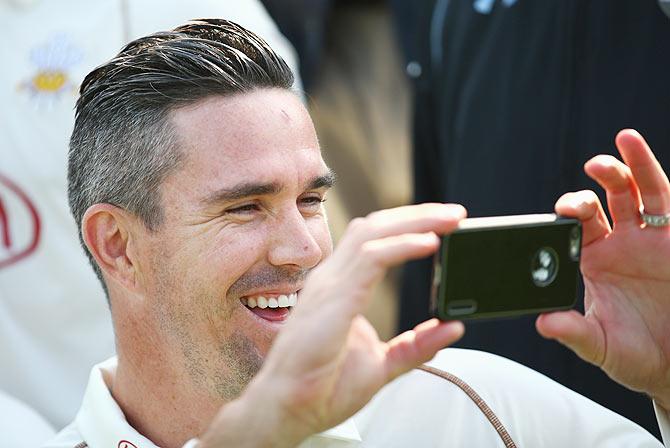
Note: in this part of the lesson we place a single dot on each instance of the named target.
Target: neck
(157, 395)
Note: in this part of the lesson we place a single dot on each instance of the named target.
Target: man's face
(244, 223)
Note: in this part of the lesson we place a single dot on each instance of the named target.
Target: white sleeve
(663, 418)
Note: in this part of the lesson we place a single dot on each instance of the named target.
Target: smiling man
(197, 182)
(200, 200)
(242, 224)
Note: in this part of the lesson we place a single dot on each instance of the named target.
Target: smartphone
(507, 266)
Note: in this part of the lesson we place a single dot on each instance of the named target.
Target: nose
(293, 242)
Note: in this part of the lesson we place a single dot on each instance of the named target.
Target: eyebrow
(245, 190)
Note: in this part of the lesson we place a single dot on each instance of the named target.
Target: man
(196, 178)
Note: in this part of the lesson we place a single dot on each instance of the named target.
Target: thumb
(583, 336)
(414, 347)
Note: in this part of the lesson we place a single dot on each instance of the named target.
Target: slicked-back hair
(123, 144)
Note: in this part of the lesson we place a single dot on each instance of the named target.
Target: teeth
(283, 301)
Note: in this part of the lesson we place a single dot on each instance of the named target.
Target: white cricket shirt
(422, 409)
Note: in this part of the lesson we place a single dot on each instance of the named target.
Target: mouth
(271, 307)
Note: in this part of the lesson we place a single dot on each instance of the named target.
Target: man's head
(196, 180)
(123, 144)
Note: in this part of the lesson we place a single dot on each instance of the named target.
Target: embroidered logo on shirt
(53, 61)
(125, 444)
(486, 6)
(19, 223)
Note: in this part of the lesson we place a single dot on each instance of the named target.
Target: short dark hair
(123, 144)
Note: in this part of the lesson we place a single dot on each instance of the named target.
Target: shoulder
(491, 373)
(21, 426)
(491, 376)
(433, 409)
(519, 394)
(473, 398)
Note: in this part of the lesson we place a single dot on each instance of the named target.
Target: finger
(623, 197)
(377, 256)
(362, 270)
(570, 328)
(438, 218)
(647, 172)
(412, 348)
(585, 206)
(393, 250)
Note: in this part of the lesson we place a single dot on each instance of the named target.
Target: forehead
(265, 135)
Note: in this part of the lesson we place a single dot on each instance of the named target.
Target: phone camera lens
(544, 266)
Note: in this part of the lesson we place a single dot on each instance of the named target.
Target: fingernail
(430, 238)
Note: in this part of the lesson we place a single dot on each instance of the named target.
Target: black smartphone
(507, 266)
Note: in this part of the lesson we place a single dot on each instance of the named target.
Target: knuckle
(590, 197)
(370, 255)
(374, 219)
(360, 230)
(584, 196)
(355, 225)
(374, 215)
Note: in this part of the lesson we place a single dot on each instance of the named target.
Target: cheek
(201, 266)
(224, 261)
(191, 284)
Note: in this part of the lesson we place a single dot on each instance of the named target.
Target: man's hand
(626, 326)
(328, 362)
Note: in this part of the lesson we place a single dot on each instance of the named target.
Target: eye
(311, 203)
(244, 209)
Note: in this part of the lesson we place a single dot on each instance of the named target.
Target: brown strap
(465, 387)
(479, 401)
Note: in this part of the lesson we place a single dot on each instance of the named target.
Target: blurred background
(494, 104)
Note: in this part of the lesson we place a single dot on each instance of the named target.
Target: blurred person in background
(54, 319)
(359, 100)
(21, 426)
(510, 96)
(307, 24)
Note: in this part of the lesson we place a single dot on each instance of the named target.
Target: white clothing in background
(54, 321)
(20, 426)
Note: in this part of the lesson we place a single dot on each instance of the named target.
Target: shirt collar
(101, 422)
(346, 431)
(100, 419)
(663, 418)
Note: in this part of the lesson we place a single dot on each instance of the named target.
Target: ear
(107, 230)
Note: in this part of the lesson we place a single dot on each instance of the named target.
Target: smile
(271, 308)
(262, 302)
